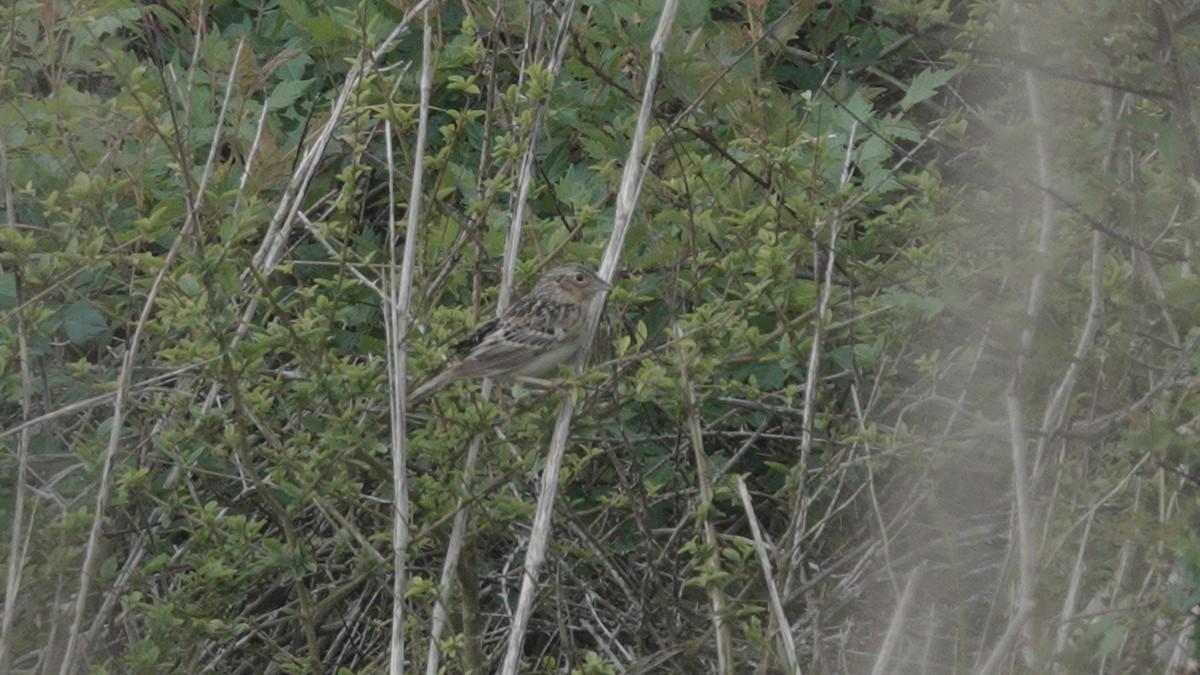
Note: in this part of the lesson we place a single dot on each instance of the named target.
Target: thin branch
(512, 246)
(396, 325)
(897, 622)
(16, 556)
(794, 536)
(713, 559)
(631, 182)
(92, 551)
(1018, 447)
(788, 644)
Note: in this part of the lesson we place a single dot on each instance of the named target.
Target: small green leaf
(82, 322)
(925, 85)
(227, 275)
(286, 93)
(189, 285)
(8, 291)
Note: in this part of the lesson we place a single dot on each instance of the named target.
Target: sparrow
(536, 333)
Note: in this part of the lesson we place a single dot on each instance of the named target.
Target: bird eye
(579, 277)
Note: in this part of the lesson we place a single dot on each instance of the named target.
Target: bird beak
(604, 285)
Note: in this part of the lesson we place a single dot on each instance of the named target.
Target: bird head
(574, 279)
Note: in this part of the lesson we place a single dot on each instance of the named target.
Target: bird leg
(520, 381)
(548, 384)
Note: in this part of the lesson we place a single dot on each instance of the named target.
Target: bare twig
(794, 537)
(396, 322)
(1023, 511)
(788, 644)
(92, 552)
(631, 181)
(512, 245)
(16, 557)
(897, 622)
(713, 560)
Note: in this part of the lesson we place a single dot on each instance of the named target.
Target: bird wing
(520, 337)
(540, 331)
(464, 346)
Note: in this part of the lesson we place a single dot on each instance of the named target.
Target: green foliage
(828, 276)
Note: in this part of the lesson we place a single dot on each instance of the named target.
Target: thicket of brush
(899, 373)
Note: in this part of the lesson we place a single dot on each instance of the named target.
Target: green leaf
(189, 284)
(82, 322)
(287, 93)
(8, 291)
(925, 85)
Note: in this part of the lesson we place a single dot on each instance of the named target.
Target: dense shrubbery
(975, 223)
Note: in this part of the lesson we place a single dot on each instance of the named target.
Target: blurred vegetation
(865, 227)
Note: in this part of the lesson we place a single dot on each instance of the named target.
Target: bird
(536, 333)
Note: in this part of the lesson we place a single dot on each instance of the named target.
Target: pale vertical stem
(1018, 445)
(788, 644)
(278, 232)
(1056, 410)
(631, 182)
(799, 511)
(713, 560)
(441, 616)
(258, 133)
(512, 248)
(539, 538)
(1057, 407)
(635, 170)
(91, 557)
(1068, 614)
(396, 321)
(16, 557)
(897, 622)
(277, 236)
(512, 242)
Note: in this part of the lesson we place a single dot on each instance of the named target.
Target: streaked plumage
(538, 332)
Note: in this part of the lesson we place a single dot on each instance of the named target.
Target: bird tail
(430, 387)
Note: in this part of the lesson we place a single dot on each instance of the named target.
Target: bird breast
(547, 360)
